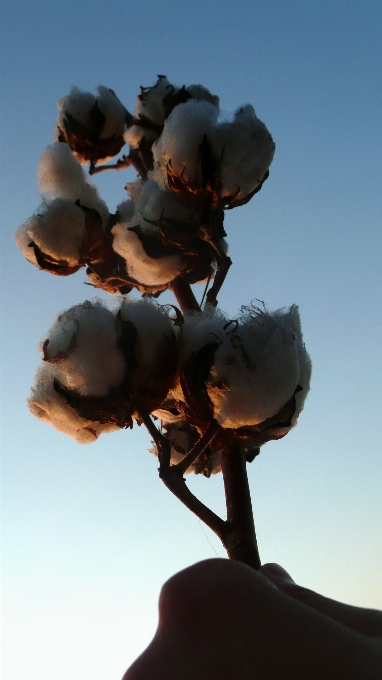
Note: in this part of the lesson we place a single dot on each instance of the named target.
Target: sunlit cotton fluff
(246, 150)
(181, 139)
(83, 346)
(61, 176)
(46, 404)
(58, 229)
(258, 367)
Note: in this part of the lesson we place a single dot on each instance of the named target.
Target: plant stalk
(240, 542)
(184, 295)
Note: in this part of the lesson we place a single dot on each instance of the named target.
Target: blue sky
(90, 533)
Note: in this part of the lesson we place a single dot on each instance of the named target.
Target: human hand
(221, 620)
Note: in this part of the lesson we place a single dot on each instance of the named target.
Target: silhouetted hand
(221, 620)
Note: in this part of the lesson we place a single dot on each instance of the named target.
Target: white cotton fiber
(58, 229)
(153, 326)
(114, 112)
(79, 104)
(200, 329)
(136, 133)
(49, 406)
(179, 143)
(246, 149)
(149, 103)
(139, 266)
(153, 203)
(23, 240)
(60, 175)
(258, 367)
(83, 346)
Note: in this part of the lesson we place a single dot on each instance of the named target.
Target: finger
(221, 620)
(364, 621)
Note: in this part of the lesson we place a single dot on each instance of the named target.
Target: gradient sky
(90, 533)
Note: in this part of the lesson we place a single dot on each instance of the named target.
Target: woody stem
(184, 295)
(172, 476)
(240, 542)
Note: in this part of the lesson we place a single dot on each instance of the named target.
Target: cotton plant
(211, 390)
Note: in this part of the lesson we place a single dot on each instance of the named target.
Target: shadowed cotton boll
(260, 365)
(61, 176)
(160, 238)
(83, 346)
(69, 228)
(148, 329)
(105, 367)
(137, 235)
(246, 149)
(58, 231)
(51, 407)
(92, 125)
(153, 271)
(251, 374)
(153, 204)
(212, 163)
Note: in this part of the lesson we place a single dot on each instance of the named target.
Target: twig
(172, 477)
(199, 447)
(221, 273)
(121, 163)
(184, 295)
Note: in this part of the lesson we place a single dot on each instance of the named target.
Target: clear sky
(90, 533)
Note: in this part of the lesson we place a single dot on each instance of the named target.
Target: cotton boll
(59, 231)
(61, 176)
(256, 369)
(77, 104)
(146, 270)
(153, 326)
(147, 331)
(155, 205)
(93, 126)
(246, 149)
(83, 345)
(49, 406)
(200, 329)
(114, 112)
(203, 94)
(180, 141)
(150, 103)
